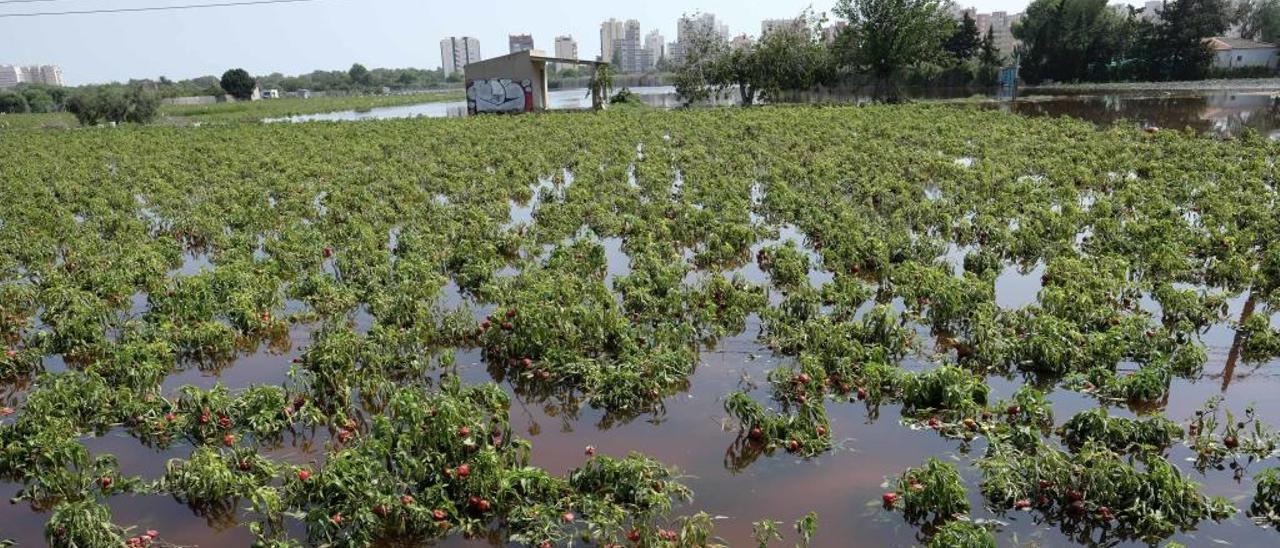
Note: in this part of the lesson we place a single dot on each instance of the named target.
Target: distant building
(628, 51)
(566, 48)
(675, 53)
(769, 25)
(519, 42)
(610, 31)
(654, 44)
(1000, 24)
(741, 41)
(457, 52)
(9, 76)
(1232, 53)
(690, 28)
(271, 93)
(12, 75)
(830, 33)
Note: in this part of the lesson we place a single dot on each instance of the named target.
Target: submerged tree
(885, 36)
(789, 58)
(1067, 40)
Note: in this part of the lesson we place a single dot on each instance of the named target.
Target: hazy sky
(333, 34)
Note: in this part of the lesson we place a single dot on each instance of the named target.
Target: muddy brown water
(693, 433)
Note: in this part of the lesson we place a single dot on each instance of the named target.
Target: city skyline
(331, 35)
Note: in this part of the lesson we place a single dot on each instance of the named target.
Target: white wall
(1260, 57)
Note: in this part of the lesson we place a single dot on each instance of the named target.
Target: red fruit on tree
(1022, 504)
(483, 505)
(105, 482)
(170, 416)
(153, 533)
(229, 440)
(821, 430)
(507, 326)
(464, 431)
(438, 515)
(336, 518)
(755, 433)
(463, 471)
(406, 500)
(590, 451)
(304, 475)
(328, 252)
(889, 498)
(793, 446)
(526, 363)
(862, 393)
(567, 517)
(633, 535)
(803, 378)
(511, 313)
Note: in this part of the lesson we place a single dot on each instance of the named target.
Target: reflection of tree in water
(1219, 114)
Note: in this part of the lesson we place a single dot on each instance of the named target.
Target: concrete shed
(516, 82)
(1230, 53)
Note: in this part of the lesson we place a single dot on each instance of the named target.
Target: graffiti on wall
(499, 95)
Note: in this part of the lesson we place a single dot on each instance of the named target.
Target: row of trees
(32, 98)
(1087, 40)
(883, 43)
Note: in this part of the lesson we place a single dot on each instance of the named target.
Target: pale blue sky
(332, 34)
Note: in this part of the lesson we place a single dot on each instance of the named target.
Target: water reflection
(1224, 113)
(1220, 114)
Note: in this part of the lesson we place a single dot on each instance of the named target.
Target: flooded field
(1218, 113)
(716, 220)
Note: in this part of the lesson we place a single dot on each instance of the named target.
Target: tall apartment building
(1001, 25)
(566, 48)
(610, 31)
(519, 42)
(769, 25)
(12, 75)
(628, 51)
(688, 28)
(457, 52)
(654, 44)
(9, 76)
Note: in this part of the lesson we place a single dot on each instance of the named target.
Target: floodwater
(1225, 113)
(693, 433)
(1216, 113)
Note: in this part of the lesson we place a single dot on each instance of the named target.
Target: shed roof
(1219, 43)
(539, 57)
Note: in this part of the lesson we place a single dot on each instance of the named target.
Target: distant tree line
(138, 100)
(884, 44)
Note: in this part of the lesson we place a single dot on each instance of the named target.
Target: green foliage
(885, 36)
(1265, 508)
(13, 103)
(237, 83)
(1095, 487)
(933, 491)
(962, 534)
(93, 106)
(1119, 434)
